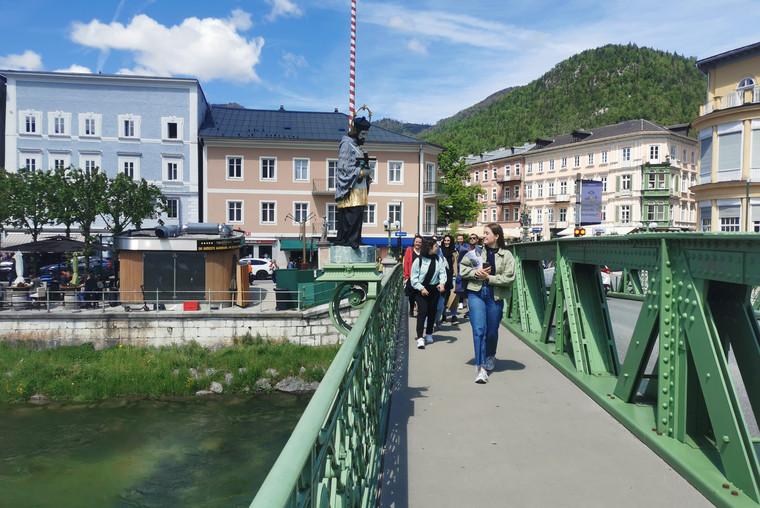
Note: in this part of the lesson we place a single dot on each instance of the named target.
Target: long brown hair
(499, 233)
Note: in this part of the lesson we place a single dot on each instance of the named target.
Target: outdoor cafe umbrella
(54, 245)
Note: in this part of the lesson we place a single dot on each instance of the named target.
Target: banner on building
(591, 202)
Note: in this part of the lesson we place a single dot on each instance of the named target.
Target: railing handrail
(286, 472)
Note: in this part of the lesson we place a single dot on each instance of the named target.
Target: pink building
(266, 170)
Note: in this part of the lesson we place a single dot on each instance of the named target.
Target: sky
(417, 60)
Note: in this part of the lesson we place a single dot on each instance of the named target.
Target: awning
(383, 242)
(294, 244)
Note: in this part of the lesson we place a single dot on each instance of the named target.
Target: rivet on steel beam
(667, 309)
(665, 375)
(666, 359)
(680, 343)
(726, 439)
(670, 430)
(708, 375)
(734, 493)
(664, 405)
(684, 315)
(667, 333)
(649, 307)
(665, 390)
(680, 283)
(667, 294)
(667, 279)
(680, 298)
(665, 420)
(666, 346)
(725, 486)
(667, 263)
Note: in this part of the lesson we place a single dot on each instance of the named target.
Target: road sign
(400, 233)
(536, 230)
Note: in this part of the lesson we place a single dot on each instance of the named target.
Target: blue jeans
(485, 318)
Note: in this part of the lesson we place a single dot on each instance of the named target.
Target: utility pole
(302, 232)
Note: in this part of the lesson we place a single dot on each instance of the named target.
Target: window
(551, 189)
(517, 191)
(493, 194)
(627, 153)
(234, 167)
(515, 214)
(475, 176)
(31, 124)
(268, 168)
(541, 167)
(530, 168)
(372, 170)
(235, 211)
(729, 211)
(89, 124)
(59, 126)
(128, 128)
(577, 161)
(505, 215)
(300, 170)
(673, 151)
(540, 190)
(493, 215)
(485, 175)
(507, 193)
(705, 159)
(625, 183)
(529, 190)
(494, 174)
(301, 211)
(172, 170)
(31, 162)
(625, 214)
(172, 208)
(563, 188)
(563, 214)
(539, 215)
(395, 172)
(171, 130)
(745, 84)
(563, 163)
(332, 169)
(128, 168)
(268, 212)
(684, 156)
(604, 184)
(331, 214)
(59, 163)
(550, 215)
(369, 214)
(517, 169)
(729, 151)
(604, 157)
(507, 170)
(485, 216)
(394, 213)
(604, 213)
(90, 165)
(729, 224)
(654, 152)
(551, 165)
(590, 158)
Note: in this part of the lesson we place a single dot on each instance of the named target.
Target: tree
(6, 209)
(31, 193)
(130, 202)
(460, 203)
(63, 208)
(89, 193)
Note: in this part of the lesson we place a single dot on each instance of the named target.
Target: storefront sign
(219, 244)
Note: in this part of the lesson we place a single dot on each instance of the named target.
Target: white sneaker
(490, 361)
(420, 343)
(482, 377)
(460, 306)
(428, 339)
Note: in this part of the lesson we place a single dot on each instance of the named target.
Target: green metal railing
(333, 457)
(696, 305)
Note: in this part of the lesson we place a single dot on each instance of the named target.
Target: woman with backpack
(410, 256)
(428, 279)
(488, 276)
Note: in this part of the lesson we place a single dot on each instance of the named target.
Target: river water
(199, 453)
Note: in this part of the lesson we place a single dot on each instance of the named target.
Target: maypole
(352, 71)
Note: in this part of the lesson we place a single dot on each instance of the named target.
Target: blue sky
(418, 60)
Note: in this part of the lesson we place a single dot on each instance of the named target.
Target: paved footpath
(528, 438)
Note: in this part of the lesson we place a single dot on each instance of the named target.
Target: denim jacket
(420, 268)
(501, 278)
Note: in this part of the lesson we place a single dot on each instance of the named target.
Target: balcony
(431, 187)
(429, 228)
(506, 200)
(323, 187)
(509, 179)
(731, 100)
(560, 198)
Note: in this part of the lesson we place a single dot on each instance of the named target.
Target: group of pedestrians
(438, 278)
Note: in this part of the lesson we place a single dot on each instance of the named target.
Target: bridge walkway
(528, 438)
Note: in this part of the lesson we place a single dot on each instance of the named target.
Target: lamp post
(389, 227)
(525, 223)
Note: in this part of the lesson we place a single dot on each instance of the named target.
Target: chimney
(336, 110)
(282, 108)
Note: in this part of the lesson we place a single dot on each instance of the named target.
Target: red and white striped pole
(352, 72)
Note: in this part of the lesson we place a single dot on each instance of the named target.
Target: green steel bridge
(674, 358)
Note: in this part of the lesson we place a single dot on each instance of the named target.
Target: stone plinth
(323, 254)
(347, 255)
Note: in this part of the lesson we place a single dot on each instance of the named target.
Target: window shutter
(617, 211)
(617, 183)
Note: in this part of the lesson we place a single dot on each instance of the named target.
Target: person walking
(447, 254)
(411, 254)
(428, 279)
(489, 276)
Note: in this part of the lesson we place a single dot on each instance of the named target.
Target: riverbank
(83, 374)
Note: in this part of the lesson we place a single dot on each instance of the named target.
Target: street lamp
(390, 226)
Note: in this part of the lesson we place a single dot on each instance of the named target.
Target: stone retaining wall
(210, 329)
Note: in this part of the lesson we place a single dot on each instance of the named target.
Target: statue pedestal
(344, 255)
(323, 254)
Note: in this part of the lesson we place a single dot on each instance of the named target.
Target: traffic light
(578, 232)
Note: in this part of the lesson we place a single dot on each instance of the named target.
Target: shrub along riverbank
(83, 374)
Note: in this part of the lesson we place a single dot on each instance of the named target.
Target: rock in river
(216, 387)
(296, 385)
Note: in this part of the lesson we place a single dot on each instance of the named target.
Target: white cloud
(283, 8)
(415, 46)
(75, 69)
(26, 61)
(292, 62)
(208, 48)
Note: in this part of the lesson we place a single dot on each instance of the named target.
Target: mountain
(408, 129)
(597, 87)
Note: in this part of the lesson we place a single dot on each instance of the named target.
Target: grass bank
(83, 374)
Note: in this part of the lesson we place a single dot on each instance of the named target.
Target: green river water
(199, 453)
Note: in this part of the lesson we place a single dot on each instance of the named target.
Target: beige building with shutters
(617, 155)
(729, 139)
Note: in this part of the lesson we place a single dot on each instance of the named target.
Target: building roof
(83, 75)
(501, 153)
(242, 123)
(711, 61)
(608, 131)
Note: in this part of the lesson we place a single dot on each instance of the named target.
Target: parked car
(260, 268)
(604, 271)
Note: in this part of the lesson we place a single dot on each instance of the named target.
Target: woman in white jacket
(428, 280)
